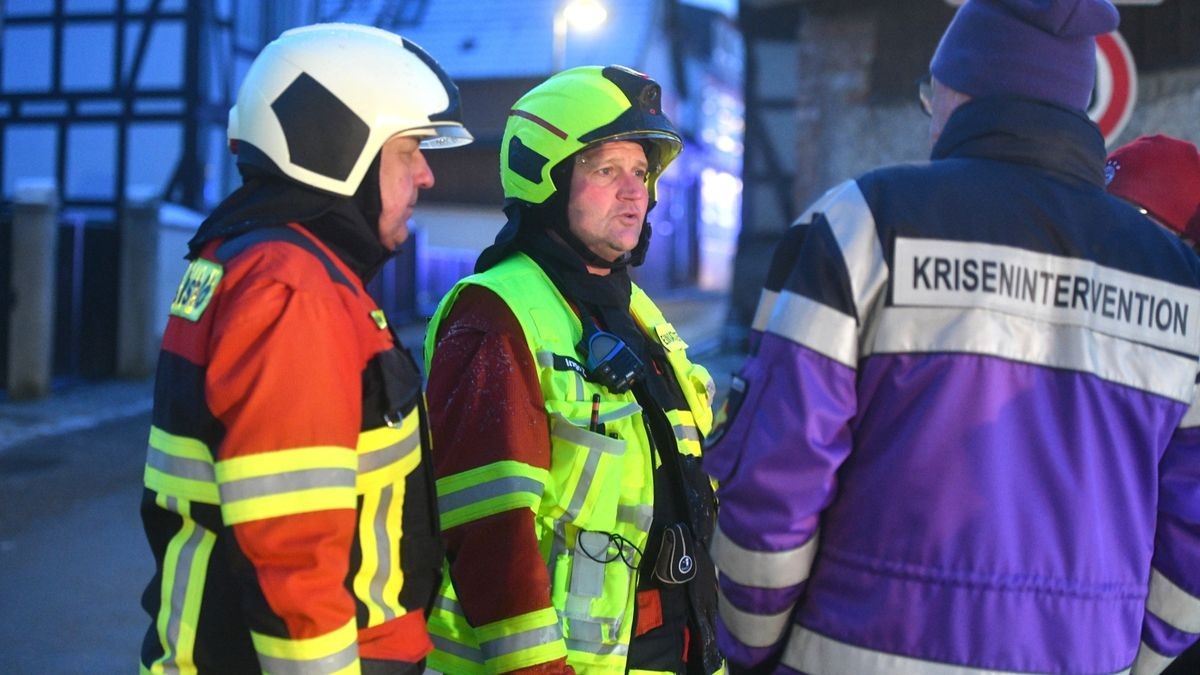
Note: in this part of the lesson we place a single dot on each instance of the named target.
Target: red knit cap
(1162, 175)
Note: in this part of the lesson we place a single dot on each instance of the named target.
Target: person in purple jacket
(966, 439)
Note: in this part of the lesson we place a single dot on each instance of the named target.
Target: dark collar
(267, 201)
(1025, 131)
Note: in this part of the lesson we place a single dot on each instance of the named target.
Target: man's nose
(632, 185)
(424, 174)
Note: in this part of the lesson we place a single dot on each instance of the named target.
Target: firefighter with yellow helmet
(288, 501)
(566, 415)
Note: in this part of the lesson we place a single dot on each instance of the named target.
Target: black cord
(621, 543)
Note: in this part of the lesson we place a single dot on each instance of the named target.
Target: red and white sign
(1116, 86)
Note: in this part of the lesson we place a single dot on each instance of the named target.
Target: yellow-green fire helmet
(577, 108)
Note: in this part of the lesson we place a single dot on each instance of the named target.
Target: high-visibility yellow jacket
(596, 498)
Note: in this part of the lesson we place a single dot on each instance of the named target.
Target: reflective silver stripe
(1008, 336)
(753, 630)
(1172, 604)
(283, 483)
(327, 664)
(819, 327)
(448, 646)
(1054, 289)
(618, 413)
(596, 445)
(378, 459)
(822, 203)
(597, 649)
(587, 631)
(1150, 662)
(383, 551)
(492, 488)
(584, 485)
(449, 605)
(639, 516)
(587, 571)
(511, 644)
(558, 547)
(687, 433)
(812, 652)
(186, 559)
(1192, 417)
(762, 569)
(766, 305)
(567, 431)
(853, 226)
(192, 469)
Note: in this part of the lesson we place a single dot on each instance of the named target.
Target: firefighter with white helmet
(287, 497)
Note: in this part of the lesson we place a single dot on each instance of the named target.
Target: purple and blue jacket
(966, 440)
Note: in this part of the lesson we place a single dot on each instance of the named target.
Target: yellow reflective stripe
(184, 572)
(450, 656)
(694, 380)
(686, 433)
(382, 437)
(286, 461)
(180, 446)
(488, 490)
(307, 501)
(379, 577)
(520, 641)
(312, 479)
(599, 655)
(640, 516)
(446, 657)
(391, 524)
(333, 652)
(179, 466)
(455, 648)
(387, 454)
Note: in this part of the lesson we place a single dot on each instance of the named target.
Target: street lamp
(584, 15)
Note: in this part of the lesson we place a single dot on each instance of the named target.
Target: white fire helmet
(320, 101)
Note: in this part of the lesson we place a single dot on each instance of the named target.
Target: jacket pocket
(592, 587)
(586, 464)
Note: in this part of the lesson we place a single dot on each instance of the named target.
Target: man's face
(609, 198)
(403, 172)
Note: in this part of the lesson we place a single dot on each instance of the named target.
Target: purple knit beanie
(1042, 49)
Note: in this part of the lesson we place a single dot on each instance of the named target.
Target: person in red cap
(1160, 176)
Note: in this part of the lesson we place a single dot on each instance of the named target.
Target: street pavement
(73, 561)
